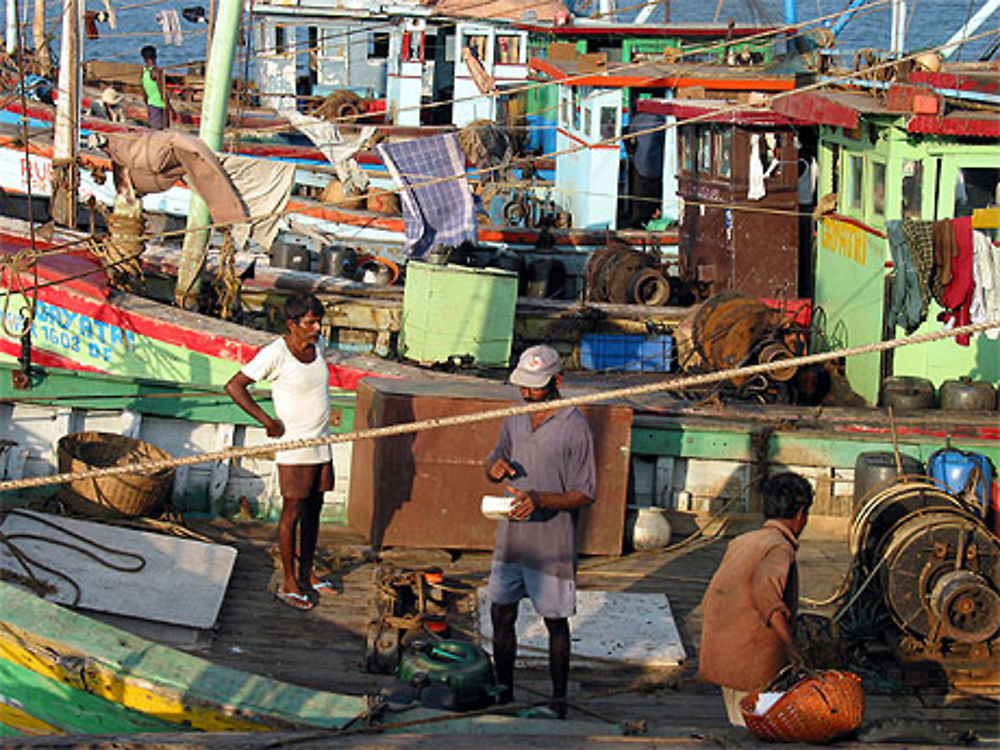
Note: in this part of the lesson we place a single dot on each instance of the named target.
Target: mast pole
(967, 30)
(43, 60)
(898, 30)
(215, 101)
(65, 175)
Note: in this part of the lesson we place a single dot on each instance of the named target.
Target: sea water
(930, 23)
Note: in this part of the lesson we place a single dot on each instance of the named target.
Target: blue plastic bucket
(963, 472)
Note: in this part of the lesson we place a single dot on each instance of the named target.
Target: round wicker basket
(122, 494)
(819, 708)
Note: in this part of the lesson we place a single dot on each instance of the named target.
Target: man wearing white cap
(546, 460)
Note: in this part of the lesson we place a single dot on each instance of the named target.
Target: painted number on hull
(74, 335)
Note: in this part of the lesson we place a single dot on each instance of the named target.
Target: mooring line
(493, 414)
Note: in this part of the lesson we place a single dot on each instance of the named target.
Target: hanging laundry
(90, 25)
(958, 293)
(326, 136)
(945, 250)
(264, 187)
(170, 24)
(986, 283)
(110, 10)
(920, 240)
(755, 189)
(904, 294)
(195, 14)
(153, 161)
(436, 210)
(771, 141)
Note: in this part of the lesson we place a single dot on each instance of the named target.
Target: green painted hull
(50, 703)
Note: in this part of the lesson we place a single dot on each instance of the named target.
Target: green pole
(218, 81)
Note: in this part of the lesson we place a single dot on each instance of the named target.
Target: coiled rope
(527, 408)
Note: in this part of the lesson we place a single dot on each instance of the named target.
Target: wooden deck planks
(324, 648)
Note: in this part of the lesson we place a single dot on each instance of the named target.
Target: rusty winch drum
(937, 565)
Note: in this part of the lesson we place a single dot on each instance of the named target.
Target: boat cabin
(588, 150)
(400, 58)
(627, 44)
(738, 183)
(904, 155)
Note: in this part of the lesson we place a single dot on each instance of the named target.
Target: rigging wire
(490, 170)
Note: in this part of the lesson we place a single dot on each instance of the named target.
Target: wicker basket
(817, 709)
(121, 494)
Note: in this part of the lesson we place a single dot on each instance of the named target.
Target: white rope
(527, 408)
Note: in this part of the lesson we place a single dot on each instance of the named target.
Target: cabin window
(508, 51)
(577, 97)
(567, 108)
(587, 121)
(913, 182)
(878, 189)
(413, 46)
(609, 123)
(477, 43)
(704, 151)
(687, 149)
(976, 187)
(855, 181)
(449, 48)
(835, 167)
(280, 45)
(312, 34)
(378, 45)
(724, 152)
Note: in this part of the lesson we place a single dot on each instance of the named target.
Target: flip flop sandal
(325, 587)
(295, 601)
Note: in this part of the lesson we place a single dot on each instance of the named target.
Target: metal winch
(934, 562)
(731, 330)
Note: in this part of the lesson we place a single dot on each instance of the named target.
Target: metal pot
(338, 260)
(908, 393)
(966, 394)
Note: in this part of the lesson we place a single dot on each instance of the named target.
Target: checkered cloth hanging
(441, 212)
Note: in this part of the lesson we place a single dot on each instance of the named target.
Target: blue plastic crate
(626, 352)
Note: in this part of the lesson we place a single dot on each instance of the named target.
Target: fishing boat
(690, 459)
(245, 677)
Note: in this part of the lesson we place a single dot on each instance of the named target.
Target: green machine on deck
(454, 675)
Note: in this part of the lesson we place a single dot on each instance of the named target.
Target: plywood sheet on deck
(608, 627)
(180, 581)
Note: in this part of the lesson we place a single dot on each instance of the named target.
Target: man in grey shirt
(546, 460)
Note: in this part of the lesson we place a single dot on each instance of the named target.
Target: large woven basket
(817, 709)
(121, 494)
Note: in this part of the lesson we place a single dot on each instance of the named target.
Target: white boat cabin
(399, 56)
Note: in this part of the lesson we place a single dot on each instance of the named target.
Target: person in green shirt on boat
(154, 91)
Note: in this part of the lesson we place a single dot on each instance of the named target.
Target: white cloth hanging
(326, 137)
(264, 186)
(755, 188)
(170, 24)
(110, 10)
(986, 278)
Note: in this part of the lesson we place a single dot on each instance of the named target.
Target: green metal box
(456, 311)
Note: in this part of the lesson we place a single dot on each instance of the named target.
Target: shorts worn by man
(752, 599)
(546, 460)
(296, 367)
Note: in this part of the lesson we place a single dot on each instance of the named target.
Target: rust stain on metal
(423, 490)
